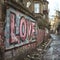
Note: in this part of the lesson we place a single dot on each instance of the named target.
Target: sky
(53, 6)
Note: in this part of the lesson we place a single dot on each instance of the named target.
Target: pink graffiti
(26, 29)
(12, 19)
(23, 27)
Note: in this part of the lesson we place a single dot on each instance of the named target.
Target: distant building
(52, 24)
(57, 20)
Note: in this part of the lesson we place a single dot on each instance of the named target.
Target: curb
(48, 43)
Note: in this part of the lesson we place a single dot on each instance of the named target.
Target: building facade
(18, 24)
(39, 8)
(57, 20)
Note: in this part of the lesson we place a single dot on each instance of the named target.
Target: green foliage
(43, 24)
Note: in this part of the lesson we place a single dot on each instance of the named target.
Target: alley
(53, 53)
(29, 30)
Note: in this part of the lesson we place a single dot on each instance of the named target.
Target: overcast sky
(53, 6)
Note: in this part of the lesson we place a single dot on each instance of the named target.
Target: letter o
(23, 27)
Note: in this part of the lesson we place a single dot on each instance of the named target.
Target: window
(44, 16)
(28, 4)
(36, 8)
(44, 7)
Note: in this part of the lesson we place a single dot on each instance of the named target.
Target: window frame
(36, 9)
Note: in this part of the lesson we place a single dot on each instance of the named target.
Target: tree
(43, 24)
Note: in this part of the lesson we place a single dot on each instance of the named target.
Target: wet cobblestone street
(51, 53)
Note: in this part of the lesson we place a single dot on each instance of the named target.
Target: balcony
(38, 14)
(45, 11)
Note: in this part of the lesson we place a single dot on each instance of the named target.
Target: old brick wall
(40, 36)
(1, 23)
(21, 52)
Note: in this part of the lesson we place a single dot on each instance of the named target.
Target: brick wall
(20, 52)
(40, 36)
(24, 50)
(1, 20)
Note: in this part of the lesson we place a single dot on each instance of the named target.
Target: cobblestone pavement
(51, 53)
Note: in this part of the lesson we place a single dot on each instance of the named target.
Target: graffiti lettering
(29, 27)
(12, 20)
(23, 28)
(26, 29)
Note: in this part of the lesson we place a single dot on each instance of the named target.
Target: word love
(24, 28)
